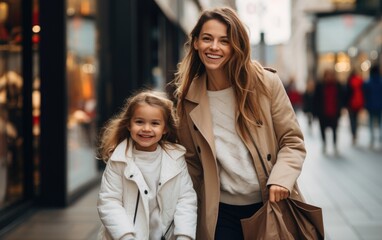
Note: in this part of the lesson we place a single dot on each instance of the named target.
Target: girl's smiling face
(147, 126)
(213, 45)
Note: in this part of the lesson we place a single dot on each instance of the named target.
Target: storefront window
(81, 65)
(11, 88)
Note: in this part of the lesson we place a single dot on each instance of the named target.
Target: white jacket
(119, 190)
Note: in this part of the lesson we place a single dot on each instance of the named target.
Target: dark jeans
(229, 226)
(353, 117)
(375, 117)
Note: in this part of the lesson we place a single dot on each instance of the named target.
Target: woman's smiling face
(213, 45)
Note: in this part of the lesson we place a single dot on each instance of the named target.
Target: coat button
(160, 183)
(269, 157)
(146, 192)
(198, 148)
(195, 128)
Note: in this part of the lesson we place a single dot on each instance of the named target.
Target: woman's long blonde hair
(245, 75)
(116, 129)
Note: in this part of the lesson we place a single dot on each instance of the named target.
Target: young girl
(146, 191)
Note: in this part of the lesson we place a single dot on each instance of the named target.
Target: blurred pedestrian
(354, 101)
(146, 191)
(373, 97)
(308, 102)
(230, 107)
(293, 94)
(328, 102)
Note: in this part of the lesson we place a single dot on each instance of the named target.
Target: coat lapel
(201, 114)
(169, 168)
(250, 140)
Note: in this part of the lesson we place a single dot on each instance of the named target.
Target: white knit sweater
(238, 179)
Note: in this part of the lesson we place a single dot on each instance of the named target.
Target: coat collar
(169, 168)
(201, 114)
(123, 154)
(198, 89)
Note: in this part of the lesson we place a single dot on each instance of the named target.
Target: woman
(221, 94)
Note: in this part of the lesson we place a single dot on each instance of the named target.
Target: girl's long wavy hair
(116, 129)
(245, 75)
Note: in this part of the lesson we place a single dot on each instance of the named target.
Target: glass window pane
(81, 82)
(11, 89)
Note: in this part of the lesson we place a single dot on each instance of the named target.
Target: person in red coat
(328, 99)
(354, 101)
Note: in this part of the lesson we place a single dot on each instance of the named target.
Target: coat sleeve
(186, 210)
(291, 148)
(110, 208)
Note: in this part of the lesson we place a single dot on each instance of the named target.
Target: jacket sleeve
(291, 148)
(186, 209)
(110, 209)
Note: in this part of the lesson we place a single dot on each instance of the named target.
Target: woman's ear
(195, 44)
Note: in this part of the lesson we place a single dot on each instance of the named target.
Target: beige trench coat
(279, 140)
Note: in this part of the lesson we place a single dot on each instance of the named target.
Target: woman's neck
(217, 81)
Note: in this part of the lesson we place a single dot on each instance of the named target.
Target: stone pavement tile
(52, 231)
(370, 231)
(333, 217)
(94, 234)
(341, 232)
(357, 216)
(376, 213)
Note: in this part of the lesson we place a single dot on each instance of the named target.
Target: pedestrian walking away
(146, 191)
(328, 102)
(308, 102)
(220, 93)
(373, 103)
(354, 101)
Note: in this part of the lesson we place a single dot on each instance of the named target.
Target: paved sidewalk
(348, 186)
(79, 221)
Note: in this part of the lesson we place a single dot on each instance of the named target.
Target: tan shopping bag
(287, 219)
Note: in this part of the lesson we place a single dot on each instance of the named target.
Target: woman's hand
(277, 193)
